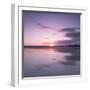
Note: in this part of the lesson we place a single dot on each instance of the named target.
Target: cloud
(67, 42)
(43, 26)
(70, 32)
(73, 35)
(73, 41)
(70, 29)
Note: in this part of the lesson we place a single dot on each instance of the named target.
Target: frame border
(16, 43)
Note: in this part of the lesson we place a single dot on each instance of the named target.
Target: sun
(51, 44)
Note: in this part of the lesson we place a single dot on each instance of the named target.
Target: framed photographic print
(46, 43)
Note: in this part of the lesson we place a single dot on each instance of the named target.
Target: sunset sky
(48, 28)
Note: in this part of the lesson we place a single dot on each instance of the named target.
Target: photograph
(51, 43)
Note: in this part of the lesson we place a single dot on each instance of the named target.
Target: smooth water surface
(51, 61)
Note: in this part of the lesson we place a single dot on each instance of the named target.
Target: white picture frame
(16, 60)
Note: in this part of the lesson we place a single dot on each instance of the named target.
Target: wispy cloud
(56, 29)
(70, 29)
(44, 26)
(66, 42)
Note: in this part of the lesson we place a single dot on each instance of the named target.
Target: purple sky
(48, 28)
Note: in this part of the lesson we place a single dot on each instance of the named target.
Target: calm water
(51, 61)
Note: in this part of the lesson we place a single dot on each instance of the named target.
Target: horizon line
(48, 45)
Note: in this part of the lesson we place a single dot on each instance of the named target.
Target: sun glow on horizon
(51, 44)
